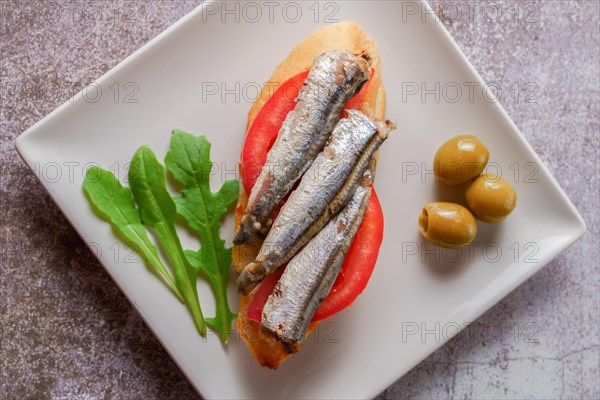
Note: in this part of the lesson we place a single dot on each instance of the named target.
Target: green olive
(490, 198)
(447, 224)
(460, 159)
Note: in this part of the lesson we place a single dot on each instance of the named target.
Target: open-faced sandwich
(308, 222)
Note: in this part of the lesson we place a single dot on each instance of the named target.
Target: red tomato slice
(362, 255)
(265, 128)
(358, 264)
(268, 121)
(354, 274)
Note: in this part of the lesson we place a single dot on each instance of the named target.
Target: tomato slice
(265, 128)
(268, 122)
(362, 255)
(354, 274)
(358, 265)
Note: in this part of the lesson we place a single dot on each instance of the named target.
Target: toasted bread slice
(267, 350)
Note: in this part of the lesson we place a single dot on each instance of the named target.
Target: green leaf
(158, 211)
(189, 162)
(114, 203)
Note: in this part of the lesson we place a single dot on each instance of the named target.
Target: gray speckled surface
(67, 332)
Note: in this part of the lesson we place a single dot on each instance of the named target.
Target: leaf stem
(181, 266)
(222, 319)
(160, 268)
(158, 210)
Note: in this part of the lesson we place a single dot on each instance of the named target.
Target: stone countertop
(66, 331)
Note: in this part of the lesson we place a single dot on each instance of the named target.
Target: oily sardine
(324, 189)
(334, 78)
(310, 274)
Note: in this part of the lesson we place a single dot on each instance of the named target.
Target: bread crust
(267, 350)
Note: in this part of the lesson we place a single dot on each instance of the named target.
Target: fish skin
(324, 189)
(334, 78)
(310, 274)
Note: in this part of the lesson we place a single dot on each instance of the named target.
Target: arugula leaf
(114, 203)
(189, 162)
(158, 211)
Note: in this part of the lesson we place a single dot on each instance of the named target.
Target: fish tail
(245, 232)
(250, 277)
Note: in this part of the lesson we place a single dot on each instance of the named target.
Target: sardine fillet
(326, 187)
(310, 274)
(334, 78)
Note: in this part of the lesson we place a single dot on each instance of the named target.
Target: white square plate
(170, 83)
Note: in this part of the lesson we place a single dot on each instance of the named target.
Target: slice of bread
(267, 350)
